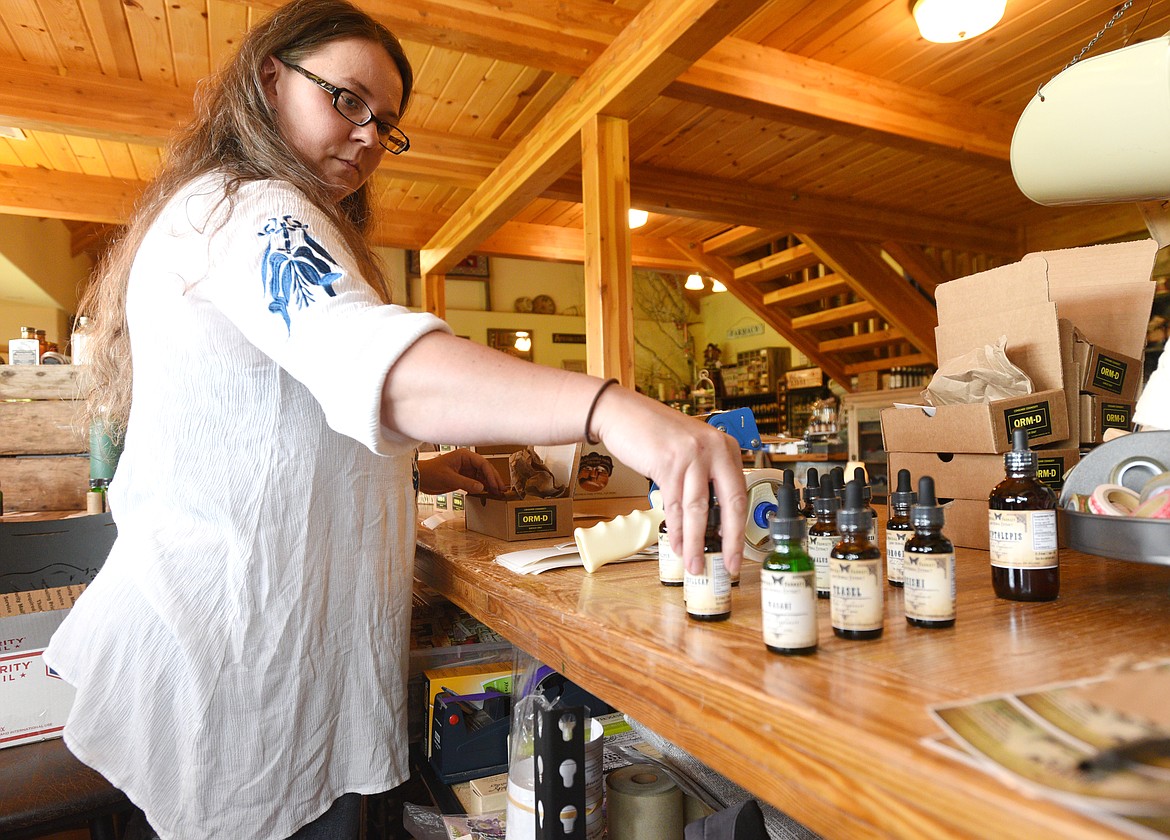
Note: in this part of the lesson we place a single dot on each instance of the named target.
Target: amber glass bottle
(930, 564)
(708, 595)
(823, 533)
(898, 528)
(1025, 561)
(670, 567)
(812, 485)
(855, 572)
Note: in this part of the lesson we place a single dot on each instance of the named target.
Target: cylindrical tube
(642, 801)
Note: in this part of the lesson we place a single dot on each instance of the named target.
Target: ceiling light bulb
(523, 342)
(947, 21)
(716, 286)
(638, 218)
(694, 283)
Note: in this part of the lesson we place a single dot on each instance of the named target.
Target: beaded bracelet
(592, 441)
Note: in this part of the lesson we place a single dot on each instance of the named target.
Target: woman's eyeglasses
(354, 108)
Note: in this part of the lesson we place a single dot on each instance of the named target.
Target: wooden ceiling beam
(26, 191)
(918, 264)
(796, 258)
(739, 239)
(658, 44)
(861, 265)
(709, 264)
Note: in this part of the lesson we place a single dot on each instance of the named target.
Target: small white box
(24, 351)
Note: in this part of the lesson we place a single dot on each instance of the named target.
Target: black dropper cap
(812, 483)
(787, 525)
(903, 497)
(826, 501)
(789, 479)
(926, 513)
(866, 492)
(853, 514)
(1021, 458)
(837, 476)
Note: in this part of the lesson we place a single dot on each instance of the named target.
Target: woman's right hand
(682, 455)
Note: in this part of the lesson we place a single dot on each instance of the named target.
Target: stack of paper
(533, 561)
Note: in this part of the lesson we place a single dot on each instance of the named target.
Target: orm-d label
(1035, 418)
(1109, 374)
(1115, 415)
(536, 520)
(1051, 472)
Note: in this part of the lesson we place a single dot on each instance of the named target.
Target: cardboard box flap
(1033, 341)
(992, 292)
(1105, 290)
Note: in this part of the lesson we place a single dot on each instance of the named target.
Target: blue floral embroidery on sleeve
(293, 264)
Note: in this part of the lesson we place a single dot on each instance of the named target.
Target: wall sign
(745, 331)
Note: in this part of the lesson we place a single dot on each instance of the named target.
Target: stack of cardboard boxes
(1075, 322)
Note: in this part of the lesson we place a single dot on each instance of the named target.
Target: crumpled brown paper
(530, 477)
(978, 376)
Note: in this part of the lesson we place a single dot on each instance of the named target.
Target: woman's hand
(460, 469)
(682, 455)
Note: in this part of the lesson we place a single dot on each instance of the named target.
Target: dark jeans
(341, 822)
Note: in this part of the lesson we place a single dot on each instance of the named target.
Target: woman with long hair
(240, 660)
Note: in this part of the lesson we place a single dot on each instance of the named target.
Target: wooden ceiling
(774, 143)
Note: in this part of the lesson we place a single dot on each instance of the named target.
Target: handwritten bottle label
(856, 594)
(929, 591)
(789, 601)
(1023, 539)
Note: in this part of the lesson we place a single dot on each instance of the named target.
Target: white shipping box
(34, 701)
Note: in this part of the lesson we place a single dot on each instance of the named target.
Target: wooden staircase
(851, 307)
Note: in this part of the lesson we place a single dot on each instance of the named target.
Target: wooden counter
(835, 739)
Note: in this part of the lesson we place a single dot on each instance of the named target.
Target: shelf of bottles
(764, 407)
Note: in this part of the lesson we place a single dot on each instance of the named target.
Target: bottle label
(789, 602)
(670, 568)
(895, 553)
(856, 594)
(710, 592)
(819, 549)
(929, 591)
(1023, 539)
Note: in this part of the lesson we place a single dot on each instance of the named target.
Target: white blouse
(240, 660)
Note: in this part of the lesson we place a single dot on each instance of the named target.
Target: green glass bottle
(929, 572)
(855, 573)
(788, 586)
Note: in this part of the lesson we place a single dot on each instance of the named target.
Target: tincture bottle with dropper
(866, 500)
(812, 485)
(670, 566)
(855, 574)
(1025, 561)
(930, 564)
(898, 527)
(823, 533)
(788, 590)
(708, 595)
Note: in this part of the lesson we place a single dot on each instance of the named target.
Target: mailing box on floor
(1104, 291)
(34, 701)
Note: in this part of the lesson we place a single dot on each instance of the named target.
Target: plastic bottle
(823, 534)
(708, 595)
(788, 591)
(855, 573)
(898, 528)
(1025, 560)
(670, 567)
(930, 564)
(866, 502)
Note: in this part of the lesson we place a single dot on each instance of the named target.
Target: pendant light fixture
(694, 283)
(638, 218)
(947, 21)
(717, 286)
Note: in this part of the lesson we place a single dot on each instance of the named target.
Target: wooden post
(434, 294)
(609, 276)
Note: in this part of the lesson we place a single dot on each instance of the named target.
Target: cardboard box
(487, 794)
(804, 378)
(1106, 372)
(34, 701)
(591, 472)
(519, 519)
(982, 427)
(463, 679)
(1099, 414)
(1104, 291)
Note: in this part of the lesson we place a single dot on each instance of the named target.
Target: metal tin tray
(1118, 537)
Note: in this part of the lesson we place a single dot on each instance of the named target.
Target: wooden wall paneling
(147, 20)
(89, 156)
(190, 47)
(118, 160)
(609, 275)
(226, 24)
(111, 38)
(66, 23)
(30, 33)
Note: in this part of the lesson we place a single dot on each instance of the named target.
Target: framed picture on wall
(473, 266)
(516, 343)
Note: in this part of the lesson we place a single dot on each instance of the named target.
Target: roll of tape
(1113, 500)
(1144, 468)
(1155, 507)
(642, 801)
(762, 487)
(1156, 485)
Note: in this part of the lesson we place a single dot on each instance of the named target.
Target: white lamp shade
(947, 21)
(716, 286)
(523, 342)
(638, 218)
(694, 283)
(1099, 132)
